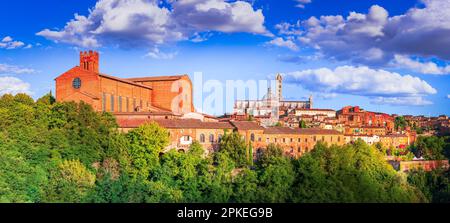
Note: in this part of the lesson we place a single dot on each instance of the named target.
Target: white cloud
(448, 96)
(7, 39)
(12, 85)
(422, 67)
(280, 42)
(402, 101)
(379, 85)
(419, 32)
(6, 68)
(302, 3)
(285, 28)
(9, 43)
(155, 53)
(133, 23)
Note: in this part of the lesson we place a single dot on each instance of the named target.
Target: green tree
(400, 123)
(302, 124)
(235, 147)
(146, 143)
(70, 181)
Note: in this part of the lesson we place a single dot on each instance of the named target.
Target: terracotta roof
(395, 135)
(124, 81)
(157, 78)
(131, 123)
(161, 112)
(192, 124)
(366, 127)
(246, 125)
(300, 131)
(314, 109)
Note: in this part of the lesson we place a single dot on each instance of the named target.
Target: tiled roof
(395, 135)
(314, 109)
(300, 131)
(157, 78)
(192, 124)
(124, 81)
(246, 125)
(174, 123)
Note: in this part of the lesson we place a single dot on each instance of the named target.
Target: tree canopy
(66, 152)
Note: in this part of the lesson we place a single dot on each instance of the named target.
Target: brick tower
(279, 87)
(89, 60)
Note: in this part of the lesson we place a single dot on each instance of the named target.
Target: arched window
(252, 137)
(211, 138)
(299, 149)
(202, 138)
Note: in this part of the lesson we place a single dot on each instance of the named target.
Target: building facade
(123, 95)
(271, 106)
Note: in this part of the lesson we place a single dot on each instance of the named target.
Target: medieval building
(269, 108)
(163, 95)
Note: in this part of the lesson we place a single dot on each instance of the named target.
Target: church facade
(157, 94)
(269, 108)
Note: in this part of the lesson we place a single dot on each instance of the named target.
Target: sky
(383, 55)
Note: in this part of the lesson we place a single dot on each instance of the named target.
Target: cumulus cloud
(280, 42)
(9, 43)
(374, 38)
(12, 85)
(155, 53)
(422, 67)
(379, 85)
(403, 101)
(6, 68)
(302, 3)
(134, 23)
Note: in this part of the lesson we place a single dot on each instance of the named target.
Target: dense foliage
(66, 152)
(431, 147)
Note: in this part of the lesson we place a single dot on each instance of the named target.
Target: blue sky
(389, 56)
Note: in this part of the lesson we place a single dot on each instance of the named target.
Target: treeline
(66, 152)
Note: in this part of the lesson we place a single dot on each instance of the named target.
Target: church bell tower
(279, 87)
(89, 60)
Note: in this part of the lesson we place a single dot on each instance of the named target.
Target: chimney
(89, 60)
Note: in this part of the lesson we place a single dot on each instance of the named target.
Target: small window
(259, 139)
(104, 102)
(202, 138)
(323, 138)
(120, 103)
(252, 137)
(112, 103)
(211, 138)
(220, 137)
(128, 105)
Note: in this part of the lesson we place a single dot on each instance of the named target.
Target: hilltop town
(296, 126)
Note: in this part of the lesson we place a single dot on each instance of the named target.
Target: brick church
(156, 95)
